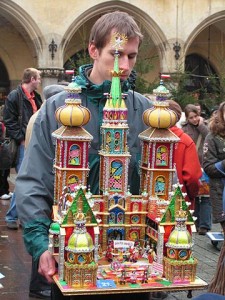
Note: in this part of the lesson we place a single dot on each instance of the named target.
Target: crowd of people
(199, 155)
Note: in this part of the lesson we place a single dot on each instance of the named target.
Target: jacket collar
(95, 91)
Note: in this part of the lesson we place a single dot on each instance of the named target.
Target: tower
(157, 164)
(123, 215)
(72, 142)
(180, 265)
(80, 266)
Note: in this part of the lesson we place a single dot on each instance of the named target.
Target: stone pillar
(50, 76)
(170, 64)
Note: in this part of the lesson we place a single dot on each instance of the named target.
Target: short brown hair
(190, 108)
(122, 22)
(29, 73)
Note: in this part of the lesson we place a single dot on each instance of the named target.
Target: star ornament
(118, 41)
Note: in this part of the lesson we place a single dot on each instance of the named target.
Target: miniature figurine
(146, 250)
(145, 277)
(151, 256)
(133, 277)
(123, 277)
(134, 253)
(109, 252)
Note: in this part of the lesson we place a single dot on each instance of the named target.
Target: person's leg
(11, 215)
(205, 221)
(4, 185)
(5, 175)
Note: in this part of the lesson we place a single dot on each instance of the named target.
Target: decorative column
(50, 75)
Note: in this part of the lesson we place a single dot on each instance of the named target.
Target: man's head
(100, 48)
(119, 22)
(31, 78)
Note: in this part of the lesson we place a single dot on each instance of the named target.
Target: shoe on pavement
(6, 197)
(202, 231)
(45, 294)
(12, 225)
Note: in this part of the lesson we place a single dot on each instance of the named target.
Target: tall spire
(115, 98)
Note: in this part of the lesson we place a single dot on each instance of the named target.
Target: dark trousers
(4, 185)
(37, 281)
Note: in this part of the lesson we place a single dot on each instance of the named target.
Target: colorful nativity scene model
(116, 239)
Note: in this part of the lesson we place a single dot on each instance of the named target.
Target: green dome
(161, 90)
(54, 228)
(80, 242)
(179, 239)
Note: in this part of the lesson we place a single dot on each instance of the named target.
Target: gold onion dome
(80, 240)
(160, 116)
(180, 237)
(73, 113)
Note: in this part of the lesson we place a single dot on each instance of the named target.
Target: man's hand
(47, 266)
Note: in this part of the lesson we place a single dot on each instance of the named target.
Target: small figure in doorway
(145, 277)
(133, 277)
(123, 277)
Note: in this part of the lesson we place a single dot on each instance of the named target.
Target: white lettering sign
(123, 244)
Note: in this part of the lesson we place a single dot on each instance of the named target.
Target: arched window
(73, 181)
(162, 156)
(160, 185)
(120, 218)
(74, 155)
(112, 218)
(116, 171)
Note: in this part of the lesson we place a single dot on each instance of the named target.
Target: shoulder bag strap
(198, 141)
(20, 109)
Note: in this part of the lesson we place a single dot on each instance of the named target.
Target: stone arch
(140, 16)
(24, 23)
(220, 16)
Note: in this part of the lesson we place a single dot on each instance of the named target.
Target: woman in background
(214, 166)
(196, 127)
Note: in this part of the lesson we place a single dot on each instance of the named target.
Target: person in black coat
(20, 105)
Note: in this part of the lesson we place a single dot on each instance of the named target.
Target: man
(48, 92)
(35, 188)
(20, 105)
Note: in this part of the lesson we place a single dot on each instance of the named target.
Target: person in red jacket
(186, 159)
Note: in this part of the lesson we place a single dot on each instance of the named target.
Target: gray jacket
(213, 152)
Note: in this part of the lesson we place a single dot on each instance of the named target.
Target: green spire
(115, 92)
(116, 99)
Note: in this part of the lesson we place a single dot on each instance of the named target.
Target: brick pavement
(203, 250)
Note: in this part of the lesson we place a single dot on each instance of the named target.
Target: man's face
(104, 60)
(36, 82)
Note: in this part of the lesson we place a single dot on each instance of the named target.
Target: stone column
(50, 75)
